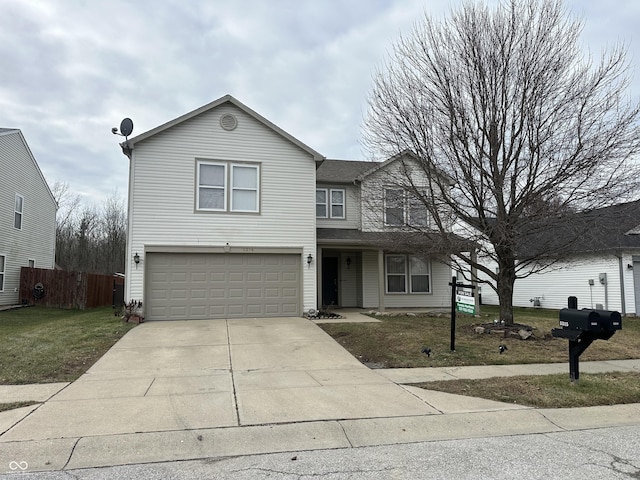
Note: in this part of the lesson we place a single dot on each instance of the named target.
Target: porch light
(348, 262)
(136, 259)
(309, 260)
(629, 266)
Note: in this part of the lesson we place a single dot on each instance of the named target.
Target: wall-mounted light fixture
(629, 266)
(309, 260)
(227, 248)
(136, 259)
(348, 262)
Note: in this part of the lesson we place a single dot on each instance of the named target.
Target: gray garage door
(200, 285)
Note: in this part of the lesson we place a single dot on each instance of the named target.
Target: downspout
(622, 296)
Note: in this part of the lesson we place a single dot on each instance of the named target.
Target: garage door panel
(271, 277)
(289, 277)
(289, 309)
(196, 286)
(198, 277)
(289, 293)
(236, 276)
(197, 294)
(217, 277)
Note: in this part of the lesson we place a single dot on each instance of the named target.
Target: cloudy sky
(72, 69)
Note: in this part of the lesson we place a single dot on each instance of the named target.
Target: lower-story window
(407, 274)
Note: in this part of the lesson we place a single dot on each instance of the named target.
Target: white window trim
(344, 203)
(404, 207)
(407, 275)
(228, 187)
(329, 203)
(3, 272)
(31, 260)
(16, 212)
(326, 202)
(198, 186)
(256, 189)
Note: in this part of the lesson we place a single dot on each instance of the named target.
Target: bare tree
(513, 127)
(113, 229)
(68, 204)
(90, 239)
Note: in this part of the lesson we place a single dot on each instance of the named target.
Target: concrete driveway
(201, 389)
(205, 374)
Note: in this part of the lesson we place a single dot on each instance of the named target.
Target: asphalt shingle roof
(608, 229)
(342, 171)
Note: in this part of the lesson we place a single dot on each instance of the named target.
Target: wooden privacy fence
(62, 289)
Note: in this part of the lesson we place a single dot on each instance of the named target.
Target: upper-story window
(394, 213)
(418, 215)
(17, 216)
(330, 203)
(404, 208)
(232, 187)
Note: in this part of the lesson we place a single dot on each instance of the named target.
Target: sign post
(461, 303)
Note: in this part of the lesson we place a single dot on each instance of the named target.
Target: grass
(44, 345)
(549, 391)
(397, 342)
(11, 406)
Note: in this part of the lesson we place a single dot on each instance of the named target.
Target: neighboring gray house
(602, 270)
(230, 216)
(27, 215)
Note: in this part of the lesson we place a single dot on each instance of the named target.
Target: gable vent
(228, 121)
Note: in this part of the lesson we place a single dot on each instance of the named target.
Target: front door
(330, 281)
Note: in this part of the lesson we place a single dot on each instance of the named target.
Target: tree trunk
(506, 280)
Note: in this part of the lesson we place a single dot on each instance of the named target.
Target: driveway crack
(233, 380)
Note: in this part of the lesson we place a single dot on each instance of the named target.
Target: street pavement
(175, 391)
(602, 454)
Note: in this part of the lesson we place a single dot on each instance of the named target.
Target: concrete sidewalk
(431, 374)
(187, 390)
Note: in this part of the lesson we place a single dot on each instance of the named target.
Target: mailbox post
(581, 328)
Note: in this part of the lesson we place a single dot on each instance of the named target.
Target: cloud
(72, 69)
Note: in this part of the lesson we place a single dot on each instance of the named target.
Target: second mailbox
(589, 320)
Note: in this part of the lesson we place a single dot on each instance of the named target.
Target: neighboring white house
(27, 215)
(603, 271)
(230, 216)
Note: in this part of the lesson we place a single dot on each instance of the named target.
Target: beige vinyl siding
(36, 239)
(352, 208)
(370, 292)
(162, 193)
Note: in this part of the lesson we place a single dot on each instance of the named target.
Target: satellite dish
(126, 127)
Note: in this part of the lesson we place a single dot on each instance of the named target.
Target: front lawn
(397, 341)
(549, 391)
(44, 345)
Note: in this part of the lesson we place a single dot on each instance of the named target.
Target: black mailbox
(585, 320)
(588, 320)
(581, 328)
(610, 319)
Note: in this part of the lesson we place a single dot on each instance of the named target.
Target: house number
(246, 249)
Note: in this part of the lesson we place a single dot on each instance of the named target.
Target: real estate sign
(465, 304)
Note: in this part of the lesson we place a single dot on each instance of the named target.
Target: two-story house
(230, 216)
(27, 215)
